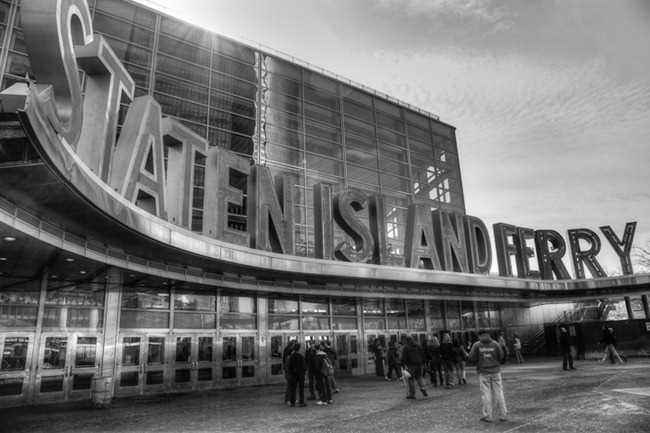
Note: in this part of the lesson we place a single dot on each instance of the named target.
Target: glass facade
(277, 113)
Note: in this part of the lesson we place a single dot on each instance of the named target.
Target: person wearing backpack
(322, 372)
(331, 355)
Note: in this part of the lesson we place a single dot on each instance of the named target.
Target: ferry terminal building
(177, 206)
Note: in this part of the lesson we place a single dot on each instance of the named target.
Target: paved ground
(541, 397)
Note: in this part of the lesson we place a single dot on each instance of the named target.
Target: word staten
(60, 41)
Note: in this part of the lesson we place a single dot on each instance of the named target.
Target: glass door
(238, 360)
(15, 368)
(277, 344)
(66, 366)
(141, 364)
(193, 366)
(347, 354)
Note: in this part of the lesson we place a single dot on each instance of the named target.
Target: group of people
(317, 364)
(608, 340)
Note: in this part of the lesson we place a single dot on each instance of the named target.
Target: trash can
(102, 391)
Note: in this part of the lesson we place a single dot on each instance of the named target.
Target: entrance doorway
(66, 365)
(15, 369)
(237, 360)
(193, 364)
(142, 364)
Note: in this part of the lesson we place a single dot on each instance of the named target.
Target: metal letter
(377, 214)
(588, 257)
(323, 221)
(420, 242)
(450, 233)
(479, 246)
(269, 228)
(550, 262)
(183, 144)
(626, 243)
(524, 253)
(107, 84)
(505, 249)
(346, 205)
(51, 29)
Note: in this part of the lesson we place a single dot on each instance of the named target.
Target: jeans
(567, 359)
(396, 368)
(416, 375)
(299, 381)
(324, 387)
(492, 391)
(436, 372)
(449, 370)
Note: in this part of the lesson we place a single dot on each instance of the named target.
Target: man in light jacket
(486, 354)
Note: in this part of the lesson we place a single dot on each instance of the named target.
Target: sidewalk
(540, 396)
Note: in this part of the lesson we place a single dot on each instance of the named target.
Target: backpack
(328, 368)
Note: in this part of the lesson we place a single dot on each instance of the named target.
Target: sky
(551, 99)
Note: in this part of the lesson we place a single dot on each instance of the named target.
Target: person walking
(460, 356)
(286, 353)
(331, 355)
(485, 354)
(447, 358)
(378, 355)
(297, 367)
(504, 347)
(392, 359)
(413, 361)
(609, 340)
(516, 345)
(436, 361)
(565, 350)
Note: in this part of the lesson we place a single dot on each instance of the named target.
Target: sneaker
(464, 382)
(399, 378)
(424, 392)
(321, 403)
(288, 403)
(303, 404)
(485, 419)
(336, 391)
(387, 379)
(330, 402)
(503, 419)
(411, 397)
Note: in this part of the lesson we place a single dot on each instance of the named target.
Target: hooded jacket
(412, 354)
(485, 353)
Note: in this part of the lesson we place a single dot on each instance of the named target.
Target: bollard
(102, 390)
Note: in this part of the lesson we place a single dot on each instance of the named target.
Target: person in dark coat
(309, 355)
(413, 359)
(392, 359)
(378, 355)
(609, 340)
(323, 384)
(565, 350)
(286, 353)
(297, 367)
(331, 355)
(436, 361)
(447, 358)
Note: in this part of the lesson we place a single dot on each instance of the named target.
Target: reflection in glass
(205, 349)
(229, 349)
(131, 351)
(86, 352)
(276, 346)
(156, 350)
(248, 348)
(55, 352)
(183, 349)
(14, 353)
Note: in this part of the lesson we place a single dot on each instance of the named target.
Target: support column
(628, 307)
(111, 325)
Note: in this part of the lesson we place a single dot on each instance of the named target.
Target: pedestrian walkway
(540, 396)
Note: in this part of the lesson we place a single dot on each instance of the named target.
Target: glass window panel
(143, 319)
(373, 307)
(175, 87)
(369, 323)
(131, 351)
(194, 302)
(421, 148)
(181, 69)
(185, 32)
(357, 96)
(363, 175)
(205, 349)
(4, 12)
(322, 114)
(156, 350)
(387, 107)
(14, 353)
(447, 170)
(416, 119)
(436, 315)
(237, 304)
(323, 147)
(238, 321)
(283, 322)
(315, 306)
(495, 316)
(323, 165)
(323, 131)
(195, 321)
(321, 82)
(282, 101)
(282, 67)
(284, 119)
(229, 351)
(391, 137)
(315, 322)
(392, 124)
(123, 30)
(284, 155)
(367, 160)
(73, 317)
(397, 323)
(444, 130)
(467, 315)
(358, 111)
(54, 353)
(234, 68)
(145, 300)
(361, 143)
(453, 315)
(232, 103)
(130, 53)
(183, 349)
(282, 84)
(392, 152)
(395, 307)
(344, 307)
(359, 127)
(233, 49)
(18, 64)
(128, 12)
(184, 51)
(341, 323)
(322, 98)
(394, 167)
(183, 109)
(140, 77)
